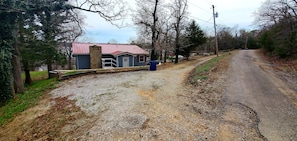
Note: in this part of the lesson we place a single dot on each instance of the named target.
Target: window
(141, 58)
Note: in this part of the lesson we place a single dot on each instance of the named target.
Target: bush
(5, 75)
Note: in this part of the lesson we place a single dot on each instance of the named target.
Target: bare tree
(274, 11)
(110, 10)
(147, 17)
(71, 30)
(265, 16)
(144, 36)
(166, 39)
(179, 14)
(279, 17)
(225, 38)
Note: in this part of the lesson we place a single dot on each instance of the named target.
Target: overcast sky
(239, 13)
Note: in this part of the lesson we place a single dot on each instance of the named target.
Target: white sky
(232, 13)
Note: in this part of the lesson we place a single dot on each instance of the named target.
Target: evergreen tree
(194, 37)
(6, 45)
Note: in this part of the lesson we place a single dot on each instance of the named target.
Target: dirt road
(252, 84)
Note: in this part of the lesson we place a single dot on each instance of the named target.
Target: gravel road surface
(257, 88)
(134, 105)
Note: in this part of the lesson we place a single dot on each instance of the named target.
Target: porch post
(118, 63)
(77, 64)
(133, 61)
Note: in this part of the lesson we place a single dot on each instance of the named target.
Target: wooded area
(278, 21)
(36, 32)
(168, 27)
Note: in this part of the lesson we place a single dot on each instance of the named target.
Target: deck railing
(109, 62)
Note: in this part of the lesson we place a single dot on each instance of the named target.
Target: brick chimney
(95, 57)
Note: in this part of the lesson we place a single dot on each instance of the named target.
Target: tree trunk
(49, 68)
(17, 75)
(187, 53)
(28, 79)
(177, 44)
(69, 63)
(161, 55)
(153, 54)
(176, 54)
(12, 90)
(154, 36)
(16, 63)
(165, 56)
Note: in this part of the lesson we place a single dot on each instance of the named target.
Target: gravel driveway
(134, 105)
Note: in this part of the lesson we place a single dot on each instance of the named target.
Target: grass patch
(72, 72)
(37, 75)
(201, 72)
(24, 101)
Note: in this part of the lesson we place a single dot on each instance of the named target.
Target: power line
(207, 2)
(207, 22)
(223, 21)
(199, 7)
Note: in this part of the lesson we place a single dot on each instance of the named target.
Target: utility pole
(215, 15)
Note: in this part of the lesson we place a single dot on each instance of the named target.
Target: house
(113, 55)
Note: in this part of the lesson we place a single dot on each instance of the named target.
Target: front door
(125, 61)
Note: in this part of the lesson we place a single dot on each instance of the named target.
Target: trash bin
(153, 65)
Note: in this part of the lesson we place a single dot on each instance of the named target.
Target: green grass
(37, 75)
(202, 71)
(24, 101)
(72, 72)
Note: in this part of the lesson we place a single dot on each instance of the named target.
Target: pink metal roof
(83, 48)
(117, 52)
